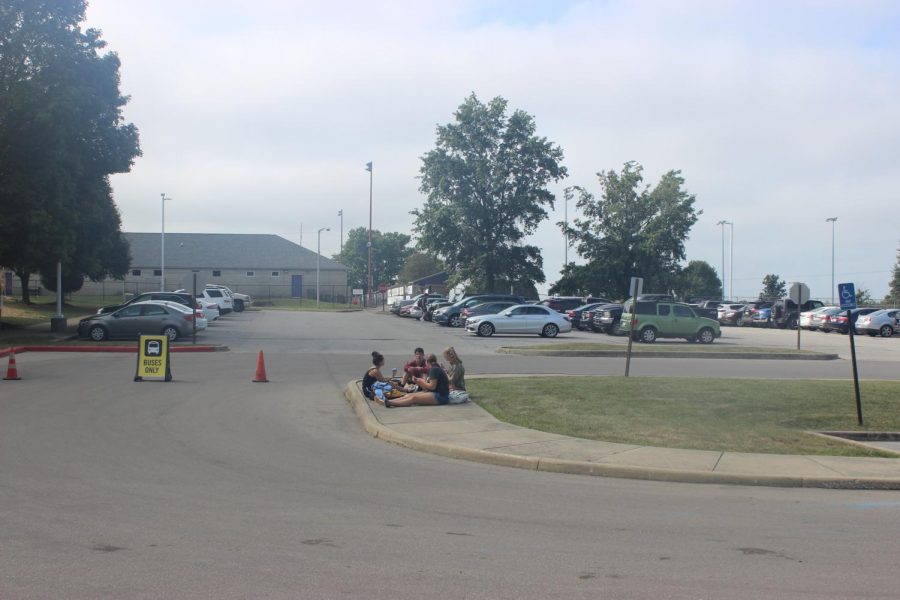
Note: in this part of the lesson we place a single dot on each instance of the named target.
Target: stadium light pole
(369, 244)
(832, 219)
(162, 245)
(341, 215)
(731, 261)
(723, 223)
(318, 256)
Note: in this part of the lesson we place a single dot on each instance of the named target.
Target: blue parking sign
(847, 294)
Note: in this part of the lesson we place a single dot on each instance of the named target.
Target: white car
(210, 309)
(220, 297)
(521, 318)
(806, 317)
(239, 301)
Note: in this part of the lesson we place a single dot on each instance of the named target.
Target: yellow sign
(153, 358)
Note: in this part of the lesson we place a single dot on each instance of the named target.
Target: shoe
(388, 403)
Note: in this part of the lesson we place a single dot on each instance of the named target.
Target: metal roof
(224, 251)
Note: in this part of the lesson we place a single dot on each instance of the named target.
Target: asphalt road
(215, 487)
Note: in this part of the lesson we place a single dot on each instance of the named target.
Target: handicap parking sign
(847, 294)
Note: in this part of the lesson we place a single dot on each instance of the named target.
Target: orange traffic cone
(260, 369)
(12, 374)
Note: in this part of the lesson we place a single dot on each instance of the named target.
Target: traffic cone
(260, 369)
(12, 374)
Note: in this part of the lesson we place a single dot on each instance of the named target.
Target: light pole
(369, 245)
(162, 245)
(832, 219)
(341, 215)
(567, 195)
(723, 223)
(318, 256)
(731, 261)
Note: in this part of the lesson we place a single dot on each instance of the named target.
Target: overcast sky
(259, 117)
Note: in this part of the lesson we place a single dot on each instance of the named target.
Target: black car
(607, 318)
(577, 315)
(838, 320)
(786, 315)
(432, 306)
(564, 304)
(452, 315)
(185, 299)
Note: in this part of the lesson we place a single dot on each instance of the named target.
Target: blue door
(296, 286)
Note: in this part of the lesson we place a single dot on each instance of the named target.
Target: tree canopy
(630, 230)
(419, 265)
(389, 253)
(698, 278)
(61, 135)
(486, 187)
(773, 287)
(893, 295)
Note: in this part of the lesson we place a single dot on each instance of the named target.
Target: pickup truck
(652, 320)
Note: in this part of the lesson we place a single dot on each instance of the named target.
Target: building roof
(436, 278)
(224, 251)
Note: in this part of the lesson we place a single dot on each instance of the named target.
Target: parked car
(414, 312)
(653, 320)
(200, 318)
(607, 319)
(818, 316)
(433, 306)
(182, 298)
(210, 309)
(399, 304)
(752, 309)
(521, 318)
(885, 322)
(807, 316)
(566, 303)
(219, 296)
(656, 298)
(148, 318)
(762, 317)
(786, 313)
(485, 308)
(840, 322)
(576, 314)
(452, 315)
(730, 314)
(238, 301)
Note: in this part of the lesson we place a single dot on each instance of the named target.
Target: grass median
(737, 415)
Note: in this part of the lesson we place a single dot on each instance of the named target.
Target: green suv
(668, 320)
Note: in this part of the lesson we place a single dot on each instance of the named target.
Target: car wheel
(886, 331)
(550, 330)
(238, 306)
(170, 332)
(98, 333)
(648, 335)
(485, 330)
(706, 336)
(455, 321)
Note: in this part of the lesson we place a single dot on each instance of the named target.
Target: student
(373, 375)
(414, 368)
(436, 388)
(456, 373)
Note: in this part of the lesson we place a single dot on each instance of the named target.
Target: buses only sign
(153, 358)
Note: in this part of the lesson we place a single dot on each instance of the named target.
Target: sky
(259, 117)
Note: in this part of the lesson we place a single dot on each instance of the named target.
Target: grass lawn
(17, 315)
(667, 346)
(739, 415)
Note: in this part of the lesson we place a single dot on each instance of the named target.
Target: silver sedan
(521, 318)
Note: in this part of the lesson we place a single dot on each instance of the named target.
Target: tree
(864, 297)
(698, 278)
(61, 135)
(773, 287)
(485, 183)
(389, 254)
(419, 265)
(630, 231)
(893, 296)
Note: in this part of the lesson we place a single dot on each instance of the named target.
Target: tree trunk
(26, 293)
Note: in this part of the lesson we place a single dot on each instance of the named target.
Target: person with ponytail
(373, 375)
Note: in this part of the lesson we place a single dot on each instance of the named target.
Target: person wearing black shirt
(435, 387)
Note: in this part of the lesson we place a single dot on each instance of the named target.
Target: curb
(114, 349)
(363, 410)
(664, 354)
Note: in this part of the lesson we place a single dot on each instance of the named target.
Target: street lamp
(731, 261)
(318, 256)
(162, 245)
(369, 244)
(832, 219)
(341, 215)
(567, 195)
(723, 223)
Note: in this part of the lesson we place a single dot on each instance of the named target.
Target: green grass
(17, 316)
(303, 304)
(666, 346)
(770, 416)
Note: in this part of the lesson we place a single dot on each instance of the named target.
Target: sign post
(634, 290)
(847, 294)
(799, 294)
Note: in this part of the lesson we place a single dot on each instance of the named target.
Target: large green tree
(893, 295)
(486, 187)
(698, 278)
(419, 265)
(61, 135)
(630, 230)
(773, 287)
(389, 253)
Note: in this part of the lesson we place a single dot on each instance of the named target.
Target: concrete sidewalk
(466, 431)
